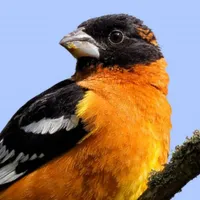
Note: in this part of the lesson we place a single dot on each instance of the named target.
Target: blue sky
(31, 60)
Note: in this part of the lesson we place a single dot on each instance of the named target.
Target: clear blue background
(31, 60)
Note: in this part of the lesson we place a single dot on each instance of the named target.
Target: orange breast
(128, 118)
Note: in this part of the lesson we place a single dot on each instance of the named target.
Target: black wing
(43, 128)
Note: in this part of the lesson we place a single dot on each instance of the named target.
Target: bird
(99, 134)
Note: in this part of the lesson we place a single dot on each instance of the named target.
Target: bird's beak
(80, 44)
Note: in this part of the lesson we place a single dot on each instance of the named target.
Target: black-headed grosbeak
(99, 134)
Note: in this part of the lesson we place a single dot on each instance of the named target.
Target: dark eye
(116, 37)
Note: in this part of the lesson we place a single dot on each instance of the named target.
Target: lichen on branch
(182, 168)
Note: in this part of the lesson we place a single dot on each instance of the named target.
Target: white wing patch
(33, 157)
(4, 153)
(51, 126)
(7, 172)
(8, 156)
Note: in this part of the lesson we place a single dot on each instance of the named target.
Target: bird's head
(112, 40)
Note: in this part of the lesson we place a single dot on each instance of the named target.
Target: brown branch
(182, 168)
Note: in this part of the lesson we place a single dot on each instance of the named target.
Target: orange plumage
(127, 116)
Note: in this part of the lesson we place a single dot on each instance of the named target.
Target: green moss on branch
(182, 168)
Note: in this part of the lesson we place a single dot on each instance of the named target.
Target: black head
(121, 40)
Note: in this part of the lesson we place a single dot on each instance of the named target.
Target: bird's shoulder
(42, 129)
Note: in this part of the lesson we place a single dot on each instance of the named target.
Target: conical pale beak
(80, 44)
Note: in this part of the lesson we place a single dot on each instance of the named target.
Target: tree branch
(183, 167)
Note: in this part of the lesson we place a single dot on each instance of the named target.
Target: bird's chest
(129, 136)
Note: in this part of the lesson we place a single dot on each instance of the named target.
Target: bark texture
(182, 168)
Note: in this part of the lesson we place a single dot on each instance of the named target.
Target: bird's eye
(116, 37)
